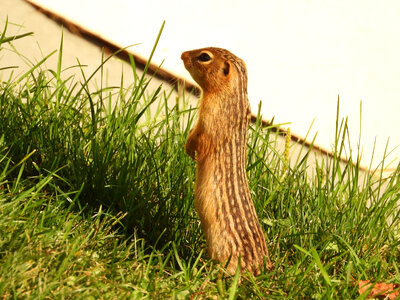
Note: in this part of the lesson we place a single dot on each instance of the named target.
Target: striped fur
(218, 144)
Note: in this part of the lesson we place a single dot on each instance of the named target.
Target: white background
(300, 55)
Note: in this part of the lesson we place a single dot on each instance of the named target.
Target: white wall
(300, 54)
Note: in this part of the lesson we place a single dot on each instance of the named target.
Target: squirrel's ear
(227, 68)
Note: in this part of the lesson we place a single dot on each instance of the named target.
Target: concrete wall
(46, 38)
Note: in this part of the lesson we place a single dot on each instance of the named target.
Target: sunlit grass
(96, 199)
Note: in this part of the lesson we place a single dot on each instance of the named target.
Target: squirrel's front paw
(190, 151)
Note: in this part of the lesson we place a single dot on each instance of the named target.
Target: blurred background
(301, 55)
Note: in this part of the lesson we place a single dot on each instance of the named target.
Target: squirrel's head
(215, 69)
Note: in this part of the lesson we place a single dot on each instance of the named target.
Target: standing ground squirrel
(218, 143)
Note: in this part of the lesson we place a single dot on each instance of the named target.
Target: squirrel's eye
(204, 57)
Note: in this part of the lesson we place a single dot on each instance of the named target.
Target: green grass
(96, 201)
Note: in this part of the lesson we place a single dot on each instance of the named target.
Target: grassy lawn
(96, 201)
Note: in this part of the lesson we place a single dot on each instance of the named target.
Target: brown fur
(218, 144)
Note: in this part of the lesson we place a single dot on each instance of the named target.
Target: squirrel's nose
(184, 55)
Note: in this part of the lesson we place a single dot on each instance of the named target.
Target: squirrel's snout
(186, 59)
(184, 55)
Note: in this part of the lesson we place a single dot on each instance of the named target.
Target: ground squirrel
(218, 143)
